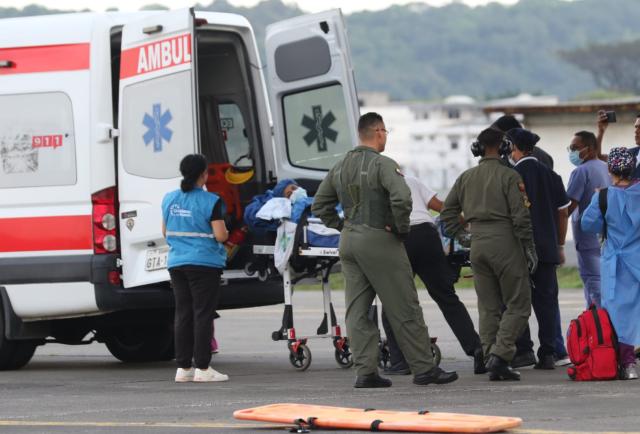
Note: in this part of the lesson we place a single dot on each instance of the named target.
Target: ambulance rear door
(312, 93)
(158, 125)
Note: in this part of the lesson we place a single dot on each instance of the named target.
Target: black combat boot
(478, 362)
(371, 381)
(499, 370)
(523, 359)
(435, 376)
(545, 362)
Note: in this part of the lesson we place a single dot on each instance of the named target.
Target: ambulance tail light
(104, 221)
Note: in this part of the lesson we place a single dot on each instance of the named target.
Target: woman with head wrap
(620, 264)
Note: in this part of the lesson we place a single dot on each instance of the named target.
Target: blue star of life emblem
(157, 129)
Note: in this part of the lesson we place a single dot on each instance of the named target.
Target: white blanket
(275, 209)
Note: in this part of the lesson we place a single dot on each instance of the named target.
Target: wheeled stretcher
(313, 261)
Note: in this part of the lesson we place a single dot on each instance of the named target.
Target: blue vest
(187, 217)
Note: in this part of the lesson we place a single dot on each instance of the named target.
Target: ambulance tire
(152, 343)
(13, 354)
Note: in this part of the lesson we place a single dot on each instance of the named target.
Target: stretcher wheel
(384, 356)
(301, 360)
(437, 355)
(248, 269)
(344, 358)
(263, 275)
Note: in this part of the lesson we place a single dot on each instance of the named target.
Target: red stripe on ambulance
(155, 56)
(46, 58)
(29, 234)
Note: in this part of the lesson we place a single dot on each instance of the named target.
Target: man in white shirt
(428, 261)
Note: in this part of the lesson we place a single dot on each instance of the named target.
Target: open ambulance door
(158, 126)
(312, 93)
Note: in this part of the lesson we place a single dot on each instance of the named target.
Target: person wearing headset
(493, 200)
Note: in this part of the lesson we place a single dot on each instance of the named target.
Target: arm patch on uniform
(522, 189)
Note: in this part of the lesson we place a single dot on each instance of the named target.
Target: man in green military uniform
(377, 203)
(492, 198)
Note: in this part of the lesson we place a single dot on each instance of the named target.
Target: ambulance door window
(37, 141)
(235, 135)
(159, 139)
(316, 128)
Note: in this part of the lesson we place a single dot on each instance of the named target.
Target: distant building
(431, 140)
(557, 123)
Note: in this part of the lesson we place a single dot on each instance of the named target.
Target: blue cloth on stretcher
(318, 240)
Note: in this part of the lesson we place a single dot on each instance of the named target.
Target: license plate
(156, 259)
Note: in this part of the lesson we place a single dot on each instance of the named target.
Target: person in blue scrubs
(590, 175)
(620, 267)
(195, 230)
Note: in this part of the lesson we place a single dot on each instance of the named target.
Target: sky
(347, 6)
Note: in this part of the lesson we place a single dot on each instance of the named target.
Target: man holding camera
(493, 200)
(604, 119)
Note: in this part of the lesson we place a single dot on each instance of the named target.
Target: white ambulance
(97, 110)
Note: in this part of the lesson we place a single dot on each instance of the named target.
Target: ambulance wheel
(437, 355)
(150, 343)
(14, 354)
(301, 360)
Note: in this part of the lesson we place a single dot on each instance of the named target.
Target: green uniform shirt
(370, 188)
(489, 193)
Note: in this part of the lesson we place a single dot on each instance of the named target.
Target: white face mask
(512, 161)
(298, 193)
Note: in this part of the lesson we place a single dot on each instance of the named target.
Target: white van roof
(78, 27)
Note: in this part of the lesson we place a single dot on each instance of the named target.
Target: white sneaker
(630, 372)
(184, 375)
(209, 375)
(563, 362)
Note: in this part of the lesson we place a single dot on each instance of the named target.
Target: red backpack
(592, 344)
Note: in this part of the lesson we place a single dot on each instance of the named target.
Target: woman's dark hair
(191, 167)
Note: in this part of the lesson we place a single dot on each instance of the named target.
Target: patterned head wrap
(621, 162)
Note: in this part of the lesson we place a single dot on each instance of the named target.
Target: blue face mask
(574, 157)
(298, 194)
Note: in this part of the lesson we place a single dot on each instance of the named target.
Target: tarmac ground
(83, 389)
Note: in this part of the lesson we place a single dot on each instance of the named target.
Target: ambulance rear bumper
(93, 269)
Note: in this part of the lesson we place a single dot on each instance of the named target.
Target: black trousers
(544, 300)
(197, 291)
(428, 261)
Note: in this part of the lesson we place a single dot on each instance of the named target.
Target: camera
(611, 116)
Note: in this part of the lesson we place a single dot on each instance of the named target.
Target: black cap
(523, 139)
(505, 123)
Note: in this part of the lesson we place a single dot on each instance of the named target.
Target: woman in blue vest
(620, 264)
(195, 230)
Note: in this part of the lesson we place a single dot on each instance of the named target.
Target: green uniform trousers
(375, 261)
(502, 284)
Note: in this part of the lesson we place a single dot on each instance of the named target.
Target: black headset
(477, 148)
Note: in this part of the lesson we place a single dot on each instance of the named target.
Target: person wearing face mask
(549, 218)
(590, 175)
(619, 221)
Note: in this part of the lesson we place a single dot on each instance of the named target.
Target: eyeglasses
(571, 148)
(382, 129)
